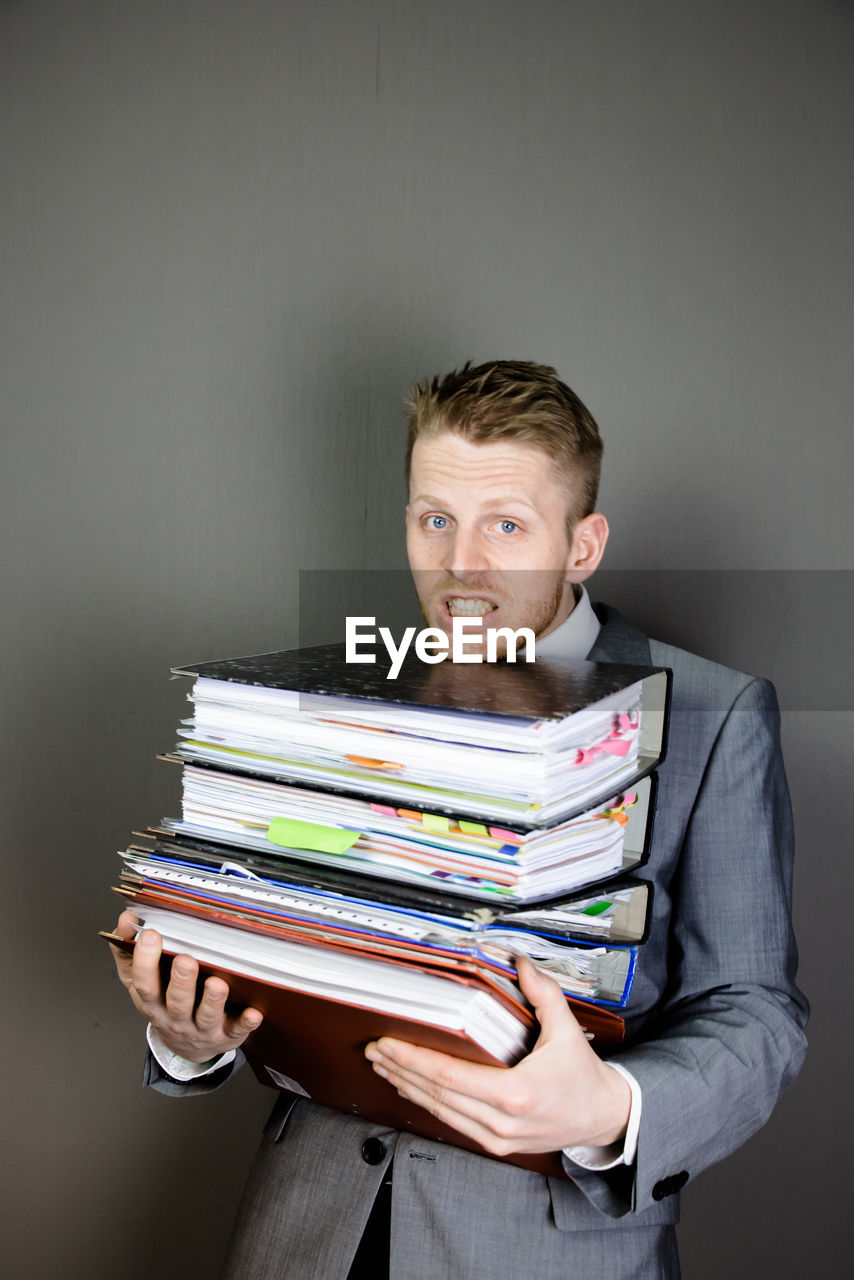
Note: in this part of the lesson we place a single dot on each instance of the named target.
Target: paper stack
(359, 856)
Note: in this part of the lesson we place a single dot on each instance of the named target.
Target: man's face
(486, 534)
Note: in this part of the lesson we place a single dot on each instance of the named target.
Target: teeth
(459, 607)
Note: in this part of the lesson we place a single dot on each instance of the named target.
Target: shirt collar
(575, 637)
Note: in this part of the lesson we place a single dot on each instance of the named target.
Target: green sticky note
(473, 828)
(290, 834)
(435, 822)
(596, 908)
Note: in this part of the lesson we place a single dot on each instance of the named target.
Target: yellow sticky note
(435, 822)
(473, 828)
(291, 834)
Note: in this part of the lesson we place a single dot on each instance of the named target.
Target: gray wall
(233, 232)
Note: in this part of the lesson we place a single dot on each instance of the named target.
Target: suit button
(669, 1186)
(373, 1151)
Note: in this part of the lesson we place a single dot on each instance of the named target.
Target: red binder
(314, 1045)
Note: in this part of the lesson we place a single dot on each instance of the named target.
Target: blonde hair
(513, 400)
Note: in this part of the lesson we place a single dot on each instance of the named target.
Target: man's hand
(560, 1095)
(196, 1032)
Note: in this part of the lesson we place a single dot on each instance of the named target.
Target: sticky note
(473, 828)
(435, 822)
(388, 810)
(596, 908)
(291, 834)
(500, 834)
(368, 762)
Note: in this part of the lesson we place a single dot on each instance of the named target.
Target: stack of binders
(359, 856)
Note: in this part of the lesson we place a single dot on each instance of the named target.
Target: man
(501, 524)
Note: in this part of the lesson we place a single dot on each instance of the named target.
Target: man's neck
(575, 636)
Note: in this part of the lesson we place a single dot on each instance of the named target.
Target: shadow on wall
(792, 626)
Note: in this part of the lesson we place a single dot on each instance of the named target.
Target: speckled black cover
(548, 689)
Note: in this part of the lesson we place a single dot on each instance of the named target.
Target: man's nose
(466, 554)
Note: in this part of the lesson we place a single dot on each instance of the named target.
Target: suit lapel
(618, 641)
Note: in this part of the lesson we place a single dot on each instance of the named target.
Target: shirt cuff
(600, 1159)
(179, 1068)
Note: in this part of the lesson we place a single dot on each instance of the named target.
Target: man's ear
(587, 548)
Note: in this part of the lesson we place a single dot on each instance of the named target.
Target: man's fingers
(196, 1031)
(498, 1118)
(184, 1026)
(181, 990)
(239, 1028)
(146, 968)
(210, 1017)
(210, 1014)
(549, 1003)
(498, 1130)
(126, 928)
(439, 1073)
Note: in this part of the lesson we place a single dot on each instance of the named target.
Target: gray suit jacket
(714, 1036)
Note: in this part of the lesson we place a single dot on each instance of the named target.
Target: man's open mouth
(469, 607)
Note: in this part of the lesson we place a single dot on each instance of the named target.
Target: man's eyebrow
(510, 500)
(493, 504)
(429, 499)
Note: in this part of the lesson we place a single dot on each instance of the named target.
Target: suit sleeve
(728, 1039)
(156, 1077)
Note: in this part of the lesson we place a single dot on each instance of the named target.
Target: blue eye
(508, 526)
(437, 522)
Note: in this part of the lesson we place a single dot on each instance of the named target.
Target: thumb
(549, 1003)
(126, 928)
